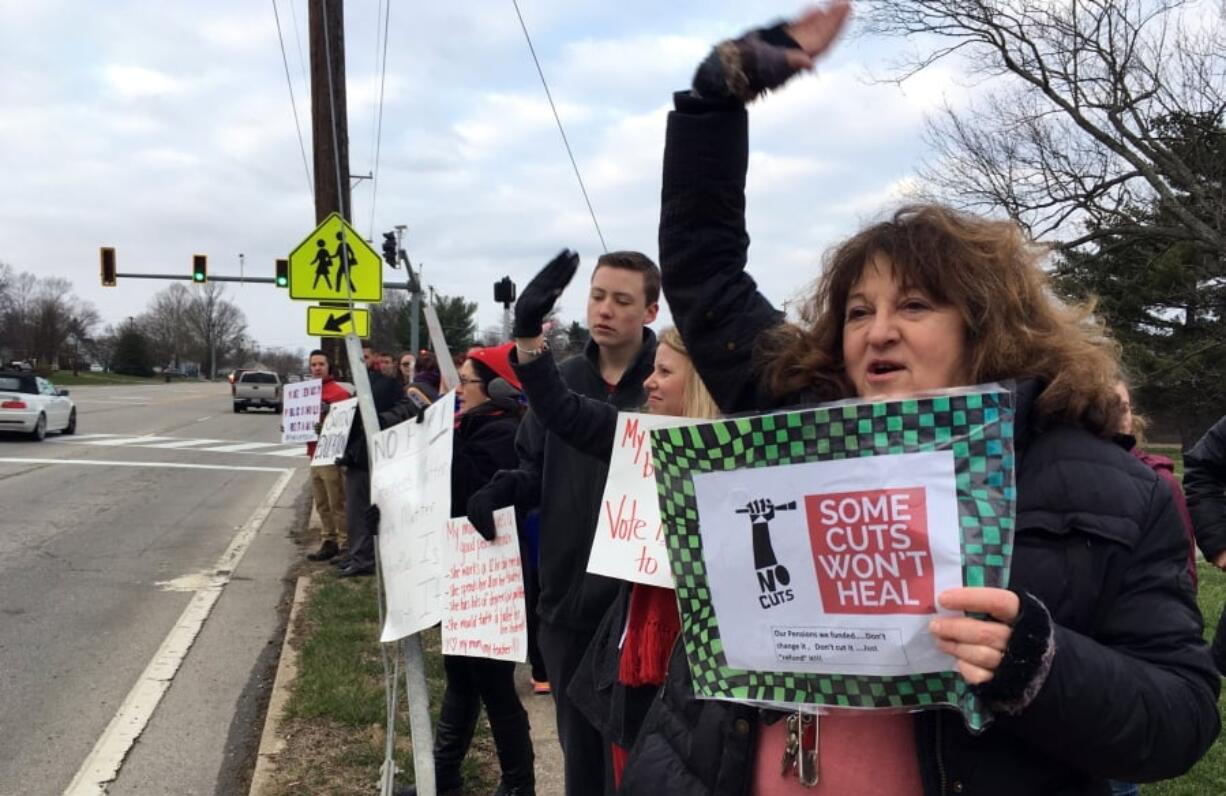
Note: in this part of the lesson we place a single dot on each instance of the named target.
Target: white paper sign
(629, 542)
(411, 484)
(334, 436)
(300, 404)
(840, 572)
(484, 613)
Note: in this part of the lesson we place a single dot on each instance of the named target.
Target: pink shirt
(868, 754)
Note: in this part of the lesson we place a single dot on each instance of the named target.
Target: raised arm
(703, 242)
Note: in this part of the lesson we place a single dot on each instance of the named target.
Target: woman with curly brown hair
(1092, 661)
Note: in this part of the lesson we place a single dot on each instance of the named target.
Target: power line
(561, 129)
(292, 102)
(298, 41)
(374, 180)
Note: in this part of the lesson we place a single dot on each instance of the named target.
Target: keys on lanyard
(800, 750)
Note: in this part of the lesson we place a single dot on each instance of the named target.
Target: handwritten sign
(300, 404)
(334, 435)
(411, 484)
(629, 542)
(484, 613)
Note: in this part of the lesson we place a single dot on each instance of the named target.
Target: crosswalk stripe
(134, 441)
(297, 450)
(185, 443)
(242, 446)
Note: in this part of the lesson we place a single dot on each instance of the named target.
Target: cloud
(138, 82)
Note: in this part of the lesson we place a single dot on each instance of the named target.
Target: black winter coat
(1204, 484)
(484, 444)
(590, 425)
(575, 472)
(1131, 693)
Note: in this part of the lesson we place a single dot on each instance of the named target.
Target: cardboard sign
(484, 613)
(411, 484)
(300, 405)
(334, 435)
(829, 567)
(809, 547)
(629, 541)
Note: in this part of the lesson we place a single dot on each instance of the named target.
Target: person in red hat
(489, 414)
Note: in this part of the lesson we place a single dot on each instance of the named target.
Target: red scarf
(652, 626)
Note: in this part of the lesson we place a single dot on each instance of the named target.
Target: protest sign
(411, 484)
(334, 435)
(629, 541)
(300, 404)
(484, 613)
(808, 547)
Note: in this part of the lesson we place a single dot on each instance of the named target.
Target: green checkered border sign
(976, 426)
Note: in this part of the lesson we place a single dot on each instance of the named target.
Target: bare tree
(217, 324)
(1075, 134)
(164, 322)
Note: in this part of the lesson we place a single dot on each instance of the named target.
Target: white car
(32, 405)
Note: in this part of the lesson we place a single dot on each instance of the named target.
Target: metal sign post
(420, 730)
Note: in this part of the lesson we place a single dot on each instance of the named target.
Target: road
(142, 562)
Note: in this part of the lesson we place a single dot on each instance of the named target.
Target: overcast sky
(166, 129)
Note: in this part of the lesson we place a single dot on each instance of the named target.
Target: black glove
(318, 428)
(497, 494)
(539, 296)
(372, 517)
(745, 68)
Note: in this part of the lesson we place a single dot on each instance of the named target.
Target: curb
(271, 743)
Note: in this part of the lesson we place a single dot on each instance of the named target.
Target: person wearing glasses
(405, 369)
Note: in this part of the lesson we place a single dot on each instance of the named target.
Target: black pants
(357, 500)
(478, 681)
(532, 592)
(584, 750)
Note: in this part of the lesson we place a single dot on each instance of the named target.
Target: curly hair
(991, 274)
(698, 400)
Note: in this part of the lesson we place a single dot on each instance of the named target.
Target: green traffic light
(198, 277)
(282, 281)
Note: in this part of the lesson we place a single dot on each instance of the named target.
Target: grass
(334, 727)
(64, 378)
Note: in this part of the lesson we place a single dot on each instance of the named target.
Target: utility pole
(326, 23)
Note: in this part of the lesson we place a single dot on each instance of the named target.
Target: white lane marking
(130, 441)
(163, 465)
(83, 437)
(202, 419)
(103, 764)
(297, 450)
(243, 446)
(121, 401)
(185, 443)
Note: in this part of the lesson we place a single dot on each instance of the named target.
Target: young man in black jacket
(567, 483)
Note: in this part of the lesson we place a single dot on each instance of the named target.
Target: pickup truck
(257, 388)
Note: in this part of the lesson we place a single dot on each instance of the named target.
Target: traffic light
(200, 268)
(282, 273)
(504, 291)
(108, 266)
(389, 248)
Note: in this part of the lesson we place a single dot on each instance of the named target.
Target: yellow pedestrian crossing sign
(337, 321)
(335, 263)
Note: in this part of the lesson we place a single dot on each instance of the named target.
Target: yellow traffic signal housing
(107, 256)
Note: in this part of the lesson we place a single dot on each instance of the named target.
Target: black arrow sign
(335, 322)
